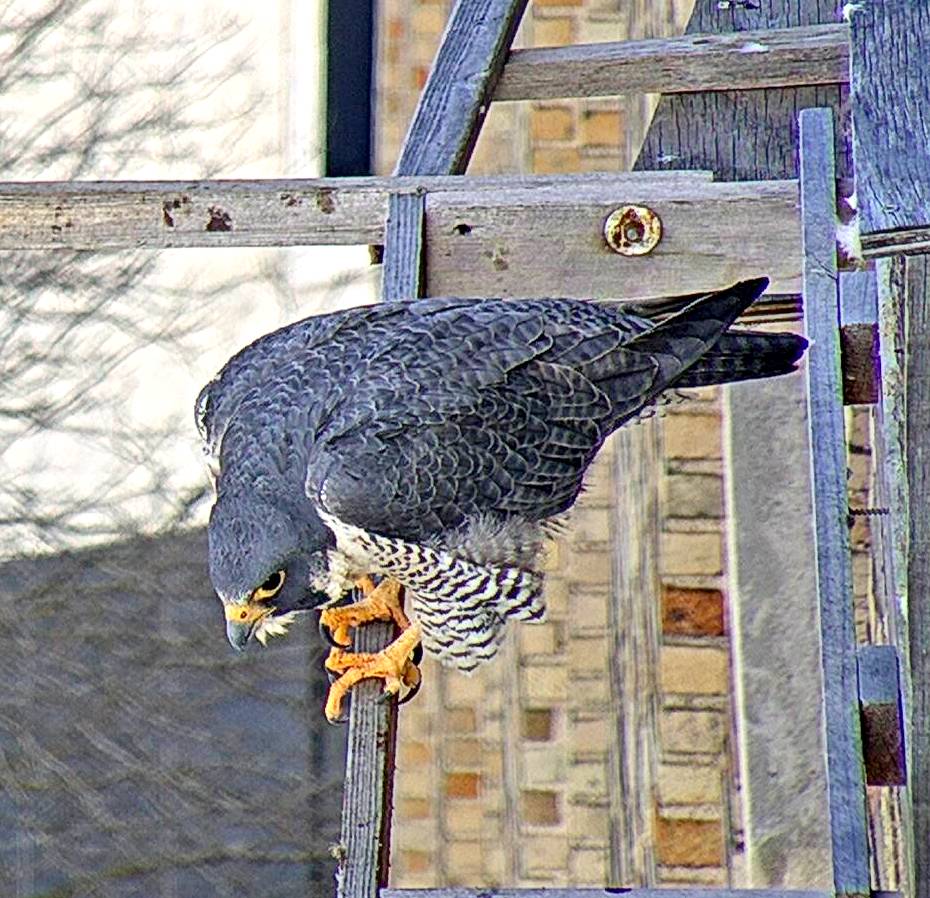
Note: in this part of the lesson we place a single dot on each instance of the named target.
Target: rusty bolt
(633, 230)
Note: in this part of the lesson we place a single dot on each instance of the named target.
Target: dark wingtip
(752, 287)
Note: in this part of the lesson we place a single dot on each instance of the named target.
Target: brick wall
(510, 777)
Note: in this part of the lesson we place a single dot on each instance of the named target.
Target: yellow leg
(381, 602)
(392, 664)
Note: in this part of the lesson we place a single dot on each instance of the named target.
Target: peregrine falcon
(425, 447)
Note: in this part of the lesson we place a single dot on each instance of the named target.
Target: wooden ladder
(862, 713)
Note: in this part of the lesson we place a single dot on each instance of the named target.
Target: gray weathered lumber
(816, 54)
(846, 782)
(514, 242)
(882, 715)
(859, 337)
(457, 94)
(162, 214)
(741, 134)
(461, 892)
(775, 634)
(917, 441)
(889, 98)
(367, 797)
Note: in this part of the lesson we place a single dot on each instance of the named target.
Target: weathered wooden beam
(165, 214)
(457, 94)
(889, 98)
(845, 779)
(882, 715)
(738, 134)
(367, 804)
(515, 242)
(461, 892)
(781, 57)
(916, 301)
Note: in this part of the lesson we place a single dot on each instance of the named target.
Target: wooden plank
(164, 214)
(815, 54)
(889, 97)
(882, 715)
(520, 243)
(372, 739)
(917, 441)
(846, 783)
(457, 94)
(741, 135)
(462, 892)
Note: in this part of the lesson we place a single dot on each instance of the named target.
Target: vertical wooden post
(845, 774)
(367, 802)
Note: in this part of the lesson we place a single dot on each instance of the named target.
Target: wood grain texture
(461, 892)
(890, 94)
(882, 715)
(515, 242)
(458, 92)
(165, 214)
(635, 636)
(846, 782)
(816, 54)
(742, 135)
(917, 441)
(372, 739)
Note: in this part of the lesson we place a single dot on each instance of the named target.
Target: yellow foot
(392, 664)
(381, 602)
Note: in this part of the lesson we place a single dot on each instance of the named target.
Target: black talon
(416, 656)
(327, 635)
(413, 690)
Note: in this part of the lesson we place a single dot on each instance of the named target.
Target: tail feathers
(745, 355)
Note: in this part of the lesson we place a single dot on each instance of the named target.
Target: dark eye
(271, 586)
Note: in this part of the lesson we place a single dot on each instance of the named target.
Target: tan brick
(544, 855)
(552, 123)
(460, 720)
(691, 553)
(462, 785)
(684, 669)
(545, 638)
(556, 160)
(412, 862)
(591, 692)
(691, 731)
(464, 692)
(602, 128)
(463, 818)
(692, 436)
(413, 808)
(545, 685)
(543, 764)
(689, 784)
(459, 753)
(414, 753)
(555, 594)
(540, 807)
(689, 843)
(463, 861)
(590, 568)
(591, 735)
(588, 612)
(587, 778)
(590, 524)
(537, 724)
(589, 866)
(542, 3)
(693, 496)
(589, 655)
(554, 32)
(590, 822)
(692, 612)
(551, 556)
(427, 21)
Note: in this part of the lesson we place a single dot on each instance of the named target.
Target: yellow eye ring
(270, 588)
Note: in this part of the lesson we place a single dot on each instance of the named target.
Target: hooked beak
(241, 618)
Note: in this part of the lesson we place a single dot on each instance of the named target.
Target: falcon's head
(263, 559)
